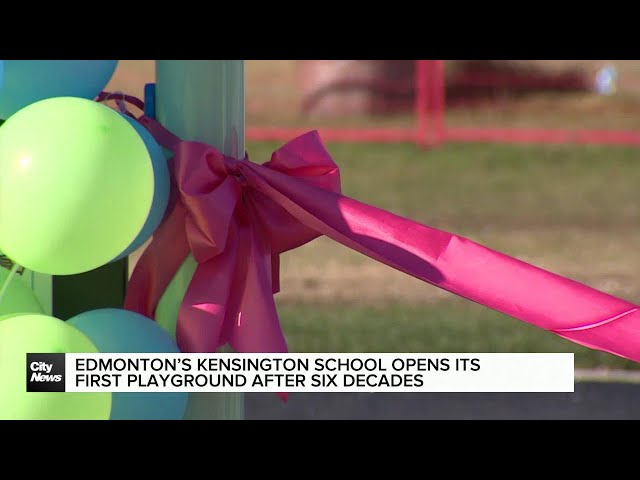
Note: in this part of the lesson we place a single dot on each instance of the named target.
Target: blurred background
(570, 208)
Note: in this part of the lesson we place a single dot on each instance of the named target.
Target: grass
(571, 210)
(451, 327)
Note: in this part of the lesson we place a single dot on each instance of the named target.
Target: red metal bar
(438, 99)
(534, 135)
(422, 104)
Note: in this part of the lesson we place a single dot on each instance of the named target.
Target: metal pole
(422, 104)
(439, 94)
(203, 100)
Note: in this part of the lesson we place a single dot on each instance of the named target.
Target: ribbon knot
(234, 168)
(235, 231)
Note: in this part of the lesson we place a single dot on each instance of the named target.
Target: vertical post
(203, 100)
(422, 104)
(439, 94)
(104, 287)
(66, 296)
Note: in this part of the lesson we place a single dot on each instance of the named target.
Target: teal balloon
(162, 186)
(23, 82)
(114, 330)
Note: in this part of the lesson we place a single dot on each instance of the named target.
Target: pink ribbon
(237, 217)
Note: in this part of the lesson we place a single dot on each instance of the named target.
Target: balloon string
(121, 99)
(5, 286)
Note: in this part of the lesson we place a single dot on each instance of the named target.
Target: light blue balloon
(162, 185)
(28, 81)
(115, 330)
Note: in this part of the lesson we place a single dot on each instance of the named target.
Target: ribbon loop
(235, 233)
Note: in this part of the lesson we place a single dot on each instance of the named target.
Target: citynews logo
(45, 372)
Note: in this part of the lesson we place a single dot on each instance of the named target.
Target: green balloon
(34, 333)
(76, 186)
(169, 304)
(18, 298)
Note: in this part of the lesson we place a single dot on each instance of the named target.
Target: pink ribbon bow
(237, 217)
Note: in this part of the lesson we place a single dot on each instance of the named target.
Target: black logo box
(45, 372)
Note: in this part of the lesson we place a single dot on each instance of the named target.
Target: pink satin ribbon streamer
(237, 217)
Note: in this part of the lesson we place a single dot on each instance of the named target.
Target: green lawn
(572, 210)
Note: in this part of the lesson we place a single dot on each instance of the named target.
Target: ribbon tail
(230, 298)
(257, 328)
(158, 264)
(212, 297)
(460, 266)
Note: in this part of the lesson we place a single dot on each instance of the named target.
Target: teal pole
(203, 100)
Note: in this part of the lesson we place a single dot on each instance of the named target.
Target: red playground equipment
(431, 92)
